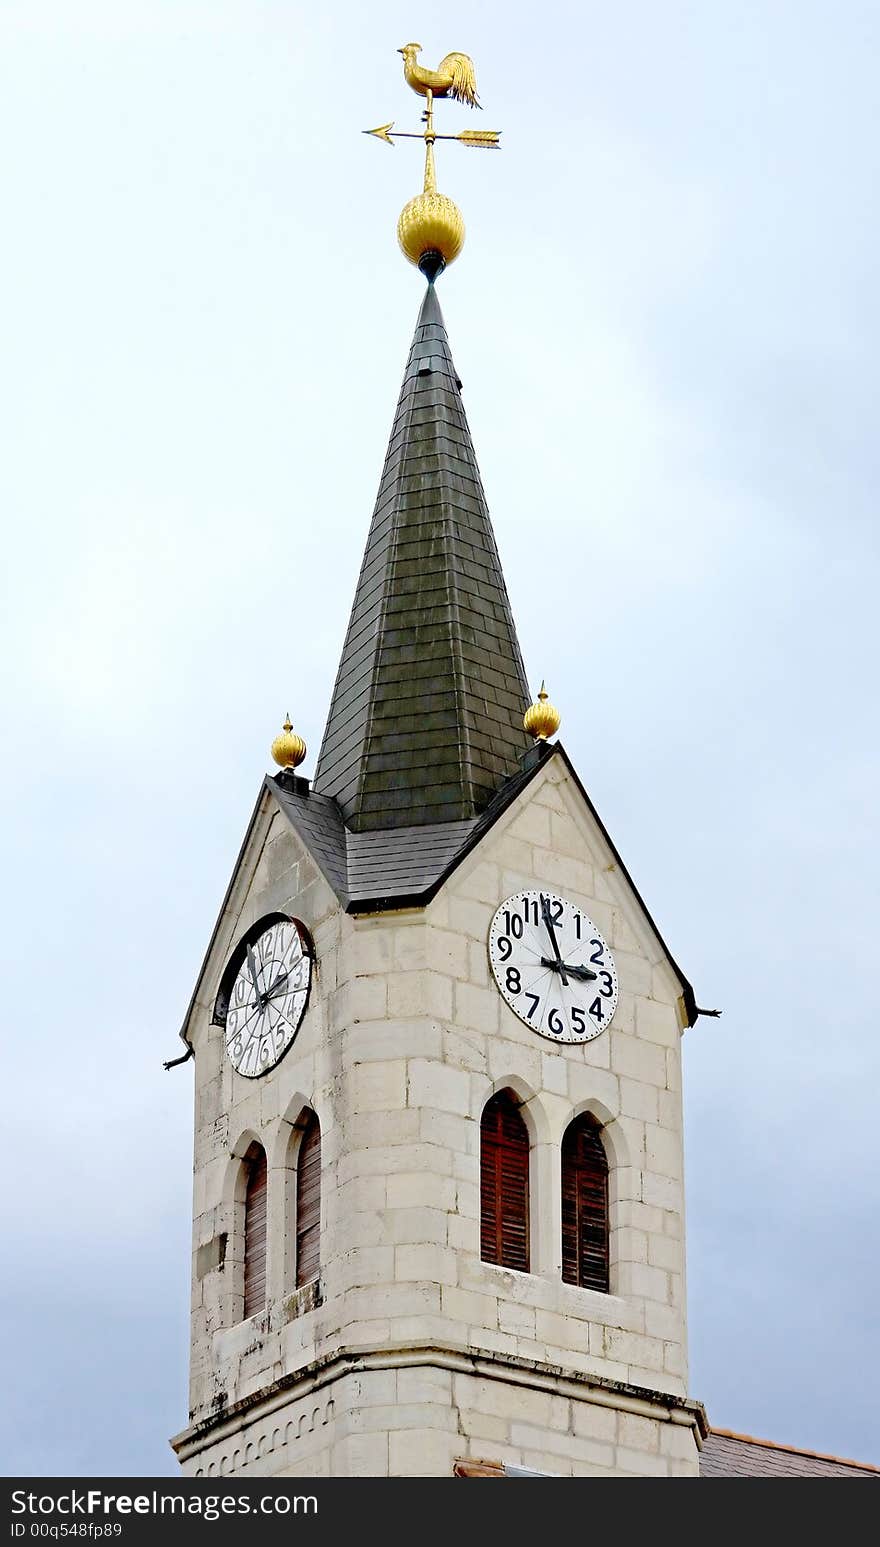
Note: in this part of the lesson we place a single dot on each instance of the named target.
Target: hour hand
(582, 973)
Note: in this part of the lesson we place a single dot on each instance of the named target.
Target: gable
(571, 852)
(273, 867)
(404, 867)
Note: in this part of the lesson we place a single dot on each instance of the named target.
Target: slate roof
(403, 867)
(726, 1454)
(392, 867)
(424, 746)
(425, 721)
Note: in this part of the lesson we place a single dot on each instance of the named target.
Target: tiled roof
(425, 721)
(726, 1454)
(390, 867)
(404, 866)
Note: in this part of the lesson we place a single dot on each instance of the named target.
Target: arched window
(255, 1231)
(585, 1205)
(308, 1203)
(504, 1184)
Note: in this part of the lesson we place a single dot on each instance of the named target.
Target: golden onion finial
(542, 719)
(288, 749)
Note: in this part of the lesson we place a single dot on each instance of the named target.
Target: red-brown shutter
(308, 1204)
(584, 1206)
(255, 1233)
(504, 1184)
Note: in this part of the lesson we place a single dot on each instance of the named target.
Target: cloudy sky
(665, 319)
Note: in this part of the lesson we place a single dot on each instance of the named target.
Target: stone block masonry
(414, 1352)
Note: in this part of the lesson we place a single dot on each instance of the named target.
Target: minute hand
(275, 988)
(560, 964)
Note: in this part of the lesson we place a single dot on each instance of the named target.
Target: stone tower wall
(413, 1352)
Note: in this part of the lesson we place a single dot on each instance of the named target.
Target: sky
(665, 318)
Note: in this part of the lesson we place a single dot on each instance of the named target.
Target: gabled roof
(425, 721)
(727, 1454)
(397, 867)
(404, 867)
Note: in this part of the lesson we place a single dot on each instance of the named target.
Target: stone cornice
(662, 1406)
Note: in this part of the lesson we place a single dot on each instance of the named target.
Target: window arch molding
(287, 1130)
(532, 1109)
(235, 1179)
(613, 1135)
(585, 1215)
(623, 1186)
(234, 1203)
(298, 1123)
(506, 1183)
(256, 1231)
(540, 1120)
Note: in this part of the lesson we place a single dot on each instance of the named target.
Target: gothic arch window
(585, 1205)
(308, 1203)
(504, 1184)
(255, 1199)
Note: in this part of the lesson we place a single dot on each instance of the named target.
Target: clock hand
(560, 965)
(252, 969)
(271, 992)
(582, 973)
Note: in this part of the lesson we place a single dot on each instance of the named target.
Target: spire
(426, 718)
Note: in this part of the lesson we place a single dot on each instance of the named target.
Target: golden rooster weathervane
(431, 229)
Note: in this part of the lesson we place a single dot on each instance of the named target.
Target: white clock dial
(268, 999)
(553, 967)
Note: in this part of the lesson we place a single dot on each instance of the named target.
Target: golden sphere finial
(542, 719)
(288, 749)
(431, 224)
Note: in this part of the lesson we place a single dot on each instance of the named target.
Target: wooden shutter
(584, 1206)
(504, 1184)
(255, 1233)
(308, 1204)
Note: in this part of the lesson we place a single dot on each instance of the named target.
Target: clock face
(553, 967)
(268, 999)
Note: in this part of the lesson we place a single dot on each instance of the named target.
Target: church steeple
(436, 1039)
(425, 722)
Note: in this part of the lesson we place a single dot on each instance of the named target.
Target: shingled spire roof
(426, 718)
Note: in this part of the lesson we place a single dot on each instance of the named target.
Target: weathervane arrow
(383, 132)
(478, 139)
(431, 229)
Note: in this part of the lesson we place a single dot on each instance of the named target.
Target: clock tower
(438, 1185)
